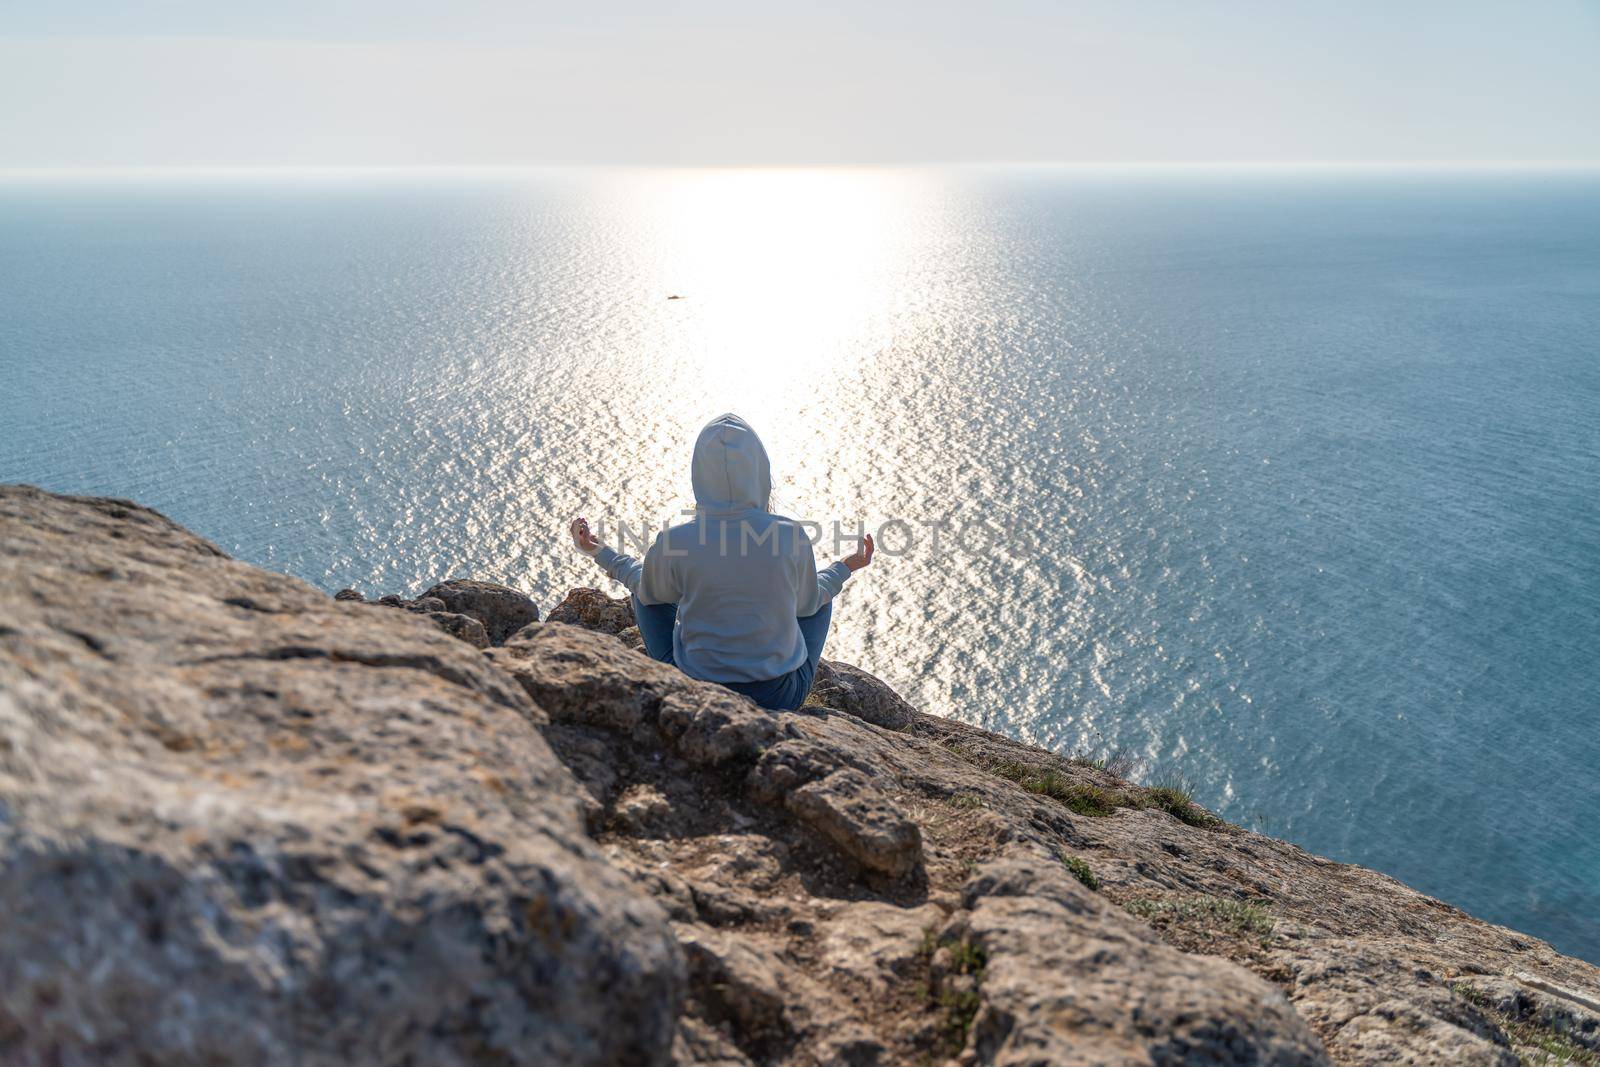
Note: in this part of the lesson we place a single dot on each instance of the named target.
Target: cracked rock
(502, 610)
(854, 691)
(319, 833)
(848, 810)
(593, 610)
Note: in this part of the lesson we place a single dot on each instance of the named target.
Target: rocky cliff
(245, 822)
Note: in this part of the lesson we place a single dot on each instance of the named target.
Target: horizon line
(139, 169)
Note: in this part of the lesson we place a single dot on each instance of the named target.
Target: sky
(297, 83)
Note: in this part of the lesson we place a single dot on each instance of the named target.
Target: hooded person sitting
(732, 596)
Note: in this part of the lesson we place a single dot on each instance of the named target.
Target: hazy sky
(314, 82)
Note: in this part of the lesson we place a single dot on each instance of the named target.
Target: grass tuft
(1534, 1044)
(1090, 800)
(1080, 870)
(1176, 798)
(1120, 762)
(960, 1008)
(957, 1001)
(1234, 915)
(1049, 782)
(967, 957)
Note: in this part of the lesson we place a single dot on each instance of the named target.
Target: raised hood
(730, 469)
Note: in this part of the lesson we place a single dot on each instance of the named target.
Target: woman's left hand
(861, 557)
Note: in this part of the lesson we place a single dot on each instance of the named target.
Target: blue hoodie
(739, 574)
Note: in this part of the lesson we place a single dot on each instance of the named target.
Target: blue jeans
(656, 622)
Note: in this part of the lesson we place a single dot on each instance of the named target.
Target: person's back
(732, 596)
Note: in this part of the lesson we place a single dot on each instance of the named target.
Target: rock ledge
(250, 823)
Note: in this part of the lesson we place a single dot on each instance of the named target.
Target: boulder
(708, 724)
(502, 610)
(468, 628)
(1063, 979)
(848, 810)
(583, 677)
(461, 627)
(593, 610)
(588, 678)
(855, 692)
(247, 823)
(788, 765)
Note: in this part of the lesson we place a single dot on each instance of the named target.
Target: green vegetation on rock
(1080, 870)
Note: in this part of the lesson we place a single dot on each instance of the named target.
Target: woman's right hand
(586, 542)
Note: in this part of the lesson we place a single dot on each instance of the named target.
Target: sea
(1282, 483)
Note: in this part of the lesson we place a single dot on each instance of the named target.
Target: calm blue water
(1296, 474)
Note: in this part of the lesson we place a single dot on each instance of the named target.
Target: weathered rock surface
(461, 627)
(250, 823)
(466, 628)
(1029, 916)
(502, 610)
(593, 610)
(241, 822)
(756, 830)
(856, 692)
(879, 946)
(846, 809)
(1205, 943)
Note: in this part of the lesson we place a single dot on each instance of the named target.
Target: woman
(732, 596)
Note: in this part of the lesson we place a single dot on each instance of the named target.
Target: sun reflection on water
(815, 305)
(790, 285)
(783, 273)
